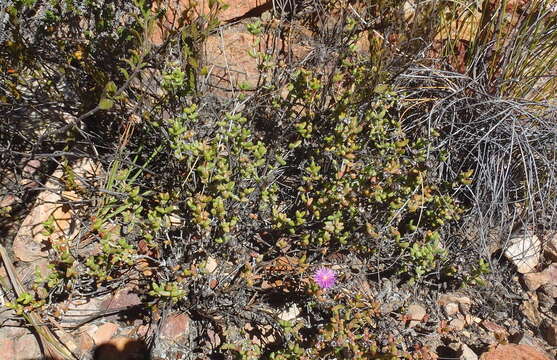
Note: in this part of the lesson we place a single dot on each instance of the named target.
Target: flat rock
(30, 239)
(549, 290)
(527, 338)
(77, 310)
(494, 328)
(415, 314)
(545, 301)
(8, 348)
(214, 338)
(170, 22)
(175, 327)
(68, 339)
(7, 200)
(452, 298)
(13, 332)
(467, 353)
(530, 309)
(451, 309)
(104, 333)
(122, 298)
(535, 280)
(458, 324)
(453, 304)
(141, 331)
(524, 252)
(27, 348)
(210, 265)
(513, 352)
(290, 313)
(229, 61)
(85, 342)
(31, 167)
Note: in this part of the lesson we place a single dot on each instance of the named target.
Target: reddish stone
(7, 200)
(458, 324)
(536, 280)
(7, 347)
(142, 330)
(104, 333)
(214, 338)
(453, 304)
(86, 342)
(11, 329)
(530, 309)
(513, 352)
(29, 240)
(68, 340)
(238, 9)
(175, 327)
(493, 327)
(415, 314)
(122, 298)
(550, 290)
(27, 347)
(31, 167)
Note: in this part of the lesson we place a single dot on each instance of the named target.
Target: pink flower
(325, 278)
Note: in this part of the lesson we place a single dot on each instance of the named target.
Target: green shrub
(359, 182)
(380, 157)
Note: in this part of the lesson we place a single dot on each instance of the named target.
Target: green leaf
(244, 86)
(110, 87)
(193, 62)
(106, 104)
(124, 72)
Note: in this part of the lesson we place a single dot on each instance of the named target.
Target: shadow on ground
(132, 350)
